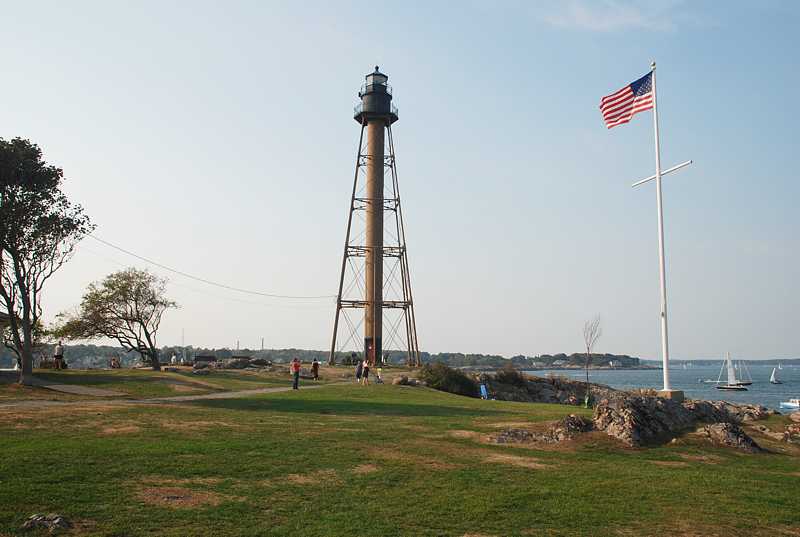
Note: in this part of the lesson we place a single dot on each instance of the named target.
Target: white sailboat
(773, 378)
(745, 378)
(732, 384)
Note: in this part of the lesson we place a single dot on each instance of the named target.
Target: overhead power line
(209, 282)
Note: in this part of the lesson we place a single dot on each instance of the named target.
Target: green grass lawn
(345, 460)
(139, 383)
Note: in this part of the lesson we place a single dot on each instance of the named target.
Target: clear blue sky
(220, 140)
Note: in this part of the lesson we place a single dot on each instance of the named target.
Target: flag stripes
(620, 106)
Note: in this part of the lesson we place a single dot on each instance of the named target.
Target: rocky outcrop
(642, 420)
(723, 411)
(236, 363)
(559, 431)
(53, 523)
(530, 389)
(731, 435)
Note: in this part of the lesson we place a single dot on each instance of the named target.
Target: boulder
(639, 420)
(237, 363)
(559, 431)
(260, 362)
(731, 435)
(200, 365)
(642, 419)
(570, 427)
(795, 417)
(52, 522)
(201, 372)
(402, 380)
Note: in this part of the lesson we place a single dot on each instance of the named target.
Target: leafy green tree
(126, 306)
(39, 229)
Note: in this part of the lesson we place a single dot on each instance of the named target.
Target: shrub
(509, 375)
(447, 379)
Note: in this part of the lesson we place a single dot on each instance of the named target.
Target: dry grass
(513, 460)
(363, 469)
(320, 477)
(121, 429)
(178, 497)
(671, 464)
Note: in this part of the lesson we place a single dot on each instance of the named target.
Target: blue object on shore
(484, 392)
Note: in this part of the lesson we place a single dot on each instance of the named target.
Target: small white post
(661, 256)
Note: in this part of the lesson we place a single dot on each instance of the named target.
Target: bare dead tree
(591, 333)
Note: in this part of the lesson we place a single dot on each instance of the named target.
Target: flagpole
(661, 257)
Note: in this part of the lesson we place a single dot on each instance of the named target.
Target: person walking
(315, 369)
(359, 369)
(295, 369)
(365, 373)
(58, 355)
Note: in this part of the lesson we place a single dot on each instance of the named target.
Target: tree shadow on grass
(336, 407)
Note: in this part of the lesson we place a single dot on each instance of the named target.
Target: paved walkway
(33, 403)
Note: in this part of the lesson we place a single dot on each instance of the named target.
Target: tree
(126, 306)
(591, 333)
(39, 229)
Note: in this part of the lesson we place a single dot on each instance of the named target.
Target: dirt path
(155, 400)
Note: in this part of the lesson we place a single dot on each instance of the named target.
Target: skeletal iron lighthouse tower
(375, 277)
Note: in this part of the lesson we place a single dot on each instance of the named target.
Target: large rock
(795, 417)
(200, 365)
(730, 434)
(237, 363)
(50, 522)
(561, 430)
(723, 411)
(640, 420)
(402, 380)
(552, 389)
(260, 362)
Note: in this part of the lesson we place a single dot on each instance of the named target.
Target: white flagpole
(662, 263)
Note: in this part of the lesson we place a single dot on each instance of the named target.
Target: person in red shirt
(295, 370)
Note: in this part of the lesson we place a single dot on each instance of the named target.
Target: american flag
(622, 105)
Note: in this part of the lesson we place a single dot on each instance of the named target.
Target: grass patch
(382, 460)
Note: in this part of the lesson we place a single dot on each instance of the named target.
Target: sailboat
(732, 384)
(741, 366)
(773, 378)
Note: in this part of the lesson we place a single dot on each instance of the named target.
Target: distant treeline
(86, 356)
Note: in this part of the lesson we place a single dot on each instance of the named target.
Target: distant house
(559, 363)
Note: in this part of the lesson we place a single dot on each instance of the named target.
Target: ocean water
(760, 392)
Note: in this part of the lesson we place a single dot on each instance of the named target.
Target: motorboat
(792, 404)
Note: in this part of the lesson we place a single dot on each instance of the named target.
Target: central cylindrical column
(373, 316)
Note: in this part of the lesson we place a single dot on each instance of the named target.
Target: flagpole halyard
(661, 255)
